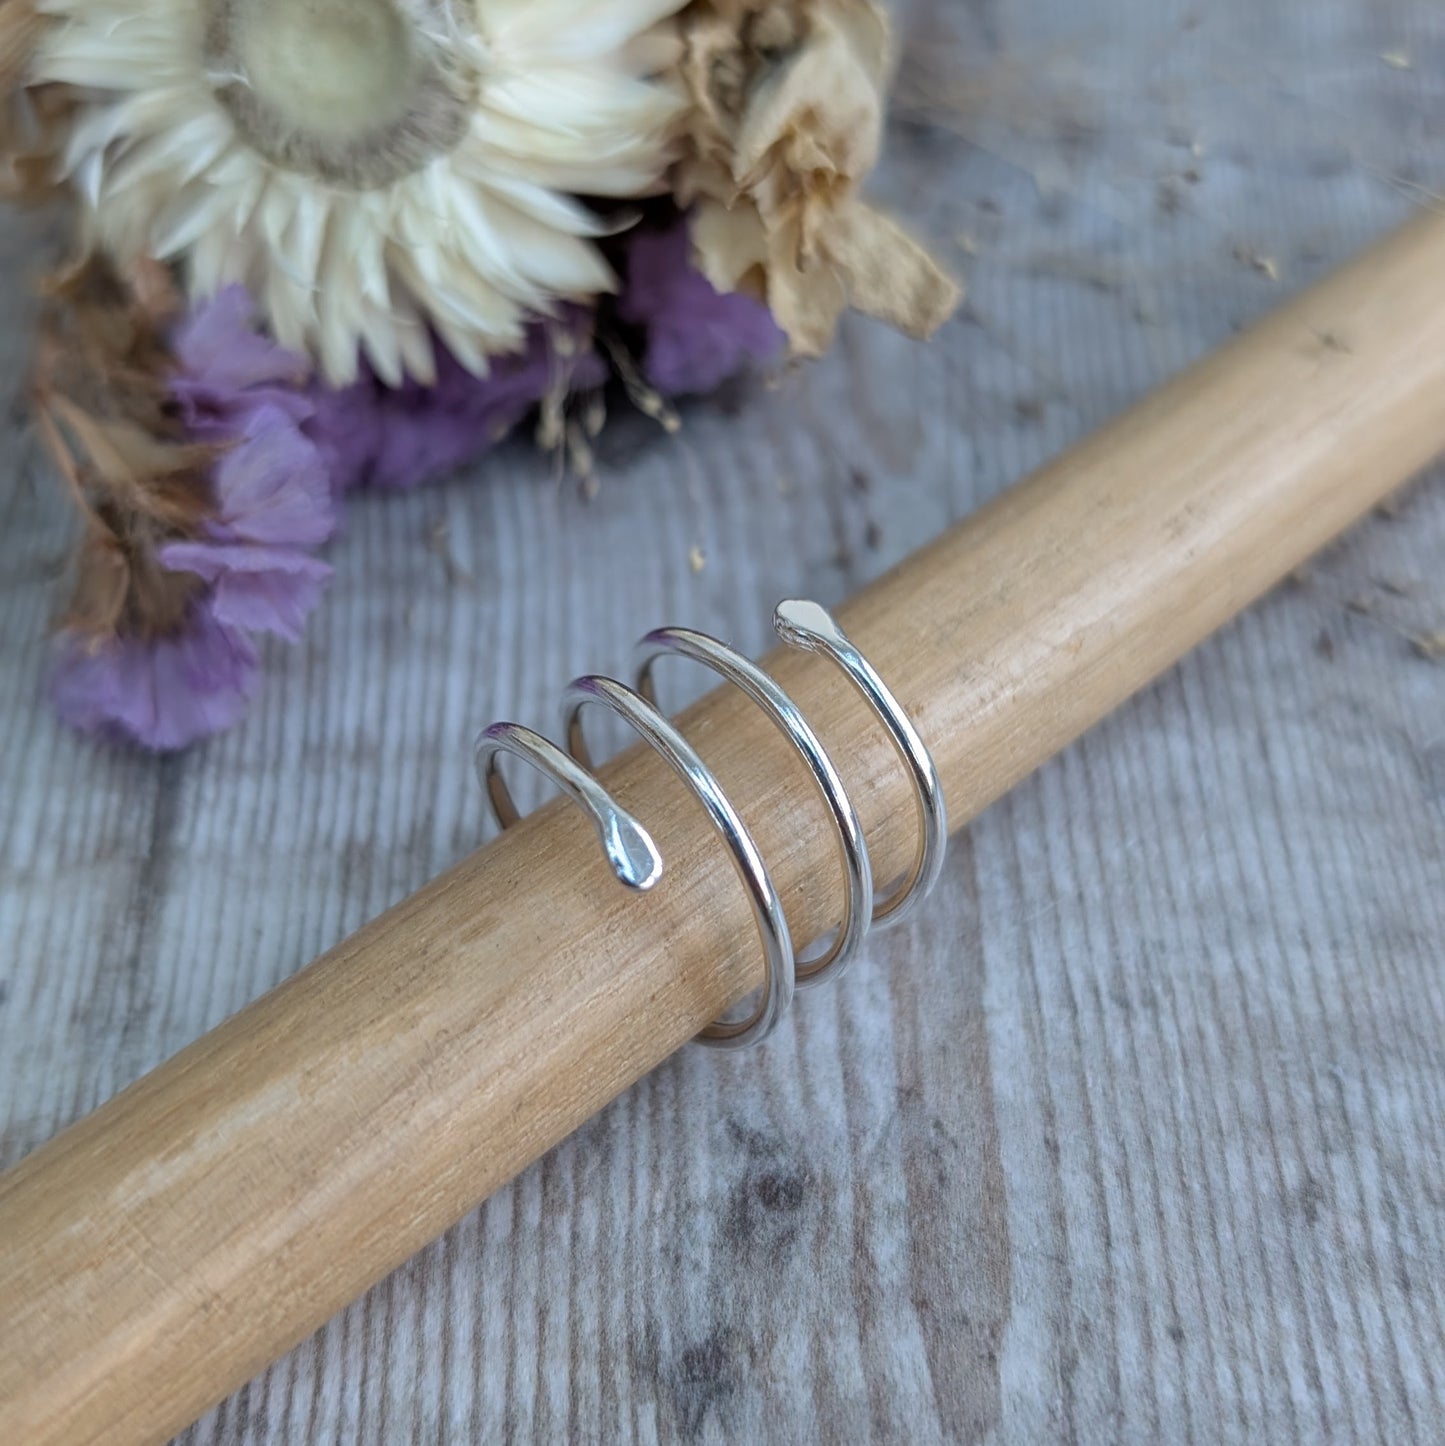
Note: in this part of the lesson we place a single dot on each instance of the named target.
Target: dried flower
(396, 179)
(786, 120)
(696, 336)
(272, 503)
(226, 367)
(376, 169)
(133, 472)
(398, 437)
(164, 693)
(202, 500)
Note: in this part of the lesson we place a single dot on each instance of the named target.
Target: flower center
(356, 92)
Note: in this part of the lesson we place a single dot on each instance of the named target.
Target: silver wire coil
(634, 856)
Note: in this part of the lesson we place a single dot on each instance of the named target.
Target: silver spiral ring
(634, 856)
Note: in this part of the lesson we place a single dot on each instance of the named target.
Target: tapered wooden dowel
(160, 1252)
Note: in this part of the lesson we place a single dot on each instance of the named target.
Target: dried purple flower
(165, 692)
(697, 337)
(399, 437)
(225, 363)
(165, 681)
(271, 486)
(260, 589)
(273, 500)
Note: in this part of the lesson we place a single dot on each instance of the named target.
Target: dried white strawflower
(370, 169)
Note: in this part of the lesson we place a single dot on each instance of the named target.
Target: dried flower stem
(104, 413)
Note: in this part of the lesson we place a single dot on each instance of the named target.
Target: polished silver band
(779, 972)
(853, 850)
(628, 846)
(810, 626)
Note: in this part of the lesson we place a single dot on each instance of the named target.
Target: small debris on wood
(1430, 646)
(1267, 266)
(697, 558)
(1097, 273)
(551, 422)
(439, 542)
(1397, 59)
(1301, 576)
(1325, 646)
(966, 243)
(1391, 507)
(1332, 341)
(579, 453)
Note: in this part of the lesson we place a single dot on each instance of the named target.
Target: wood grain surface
(1137, 1134)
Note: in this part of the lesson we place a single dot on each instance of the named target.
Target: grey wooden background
(1138, 1135)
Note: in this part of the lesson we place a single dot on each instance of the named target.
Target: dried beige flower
(786, 122)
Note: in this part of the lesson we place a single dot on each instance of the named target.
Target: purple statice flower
(696, 337)
(273, 503)
(228, 368)
(397, 437)
(272, 506)
(164, 693)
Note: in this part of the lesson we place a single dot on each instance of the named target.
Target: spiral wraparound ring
(634, 856)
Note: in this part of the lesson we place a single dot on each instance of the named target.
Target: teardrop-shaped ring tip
(632, 853)
(798, 622)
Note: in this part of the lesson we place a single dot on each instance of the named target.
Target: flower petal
(272, 487)
(163, 694)
(259, 589)
(697, 337)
